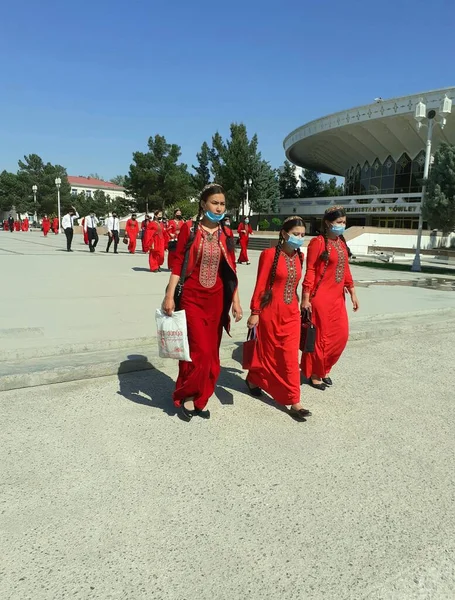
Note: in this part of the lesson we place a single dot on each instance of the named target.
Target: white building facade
(89, 185)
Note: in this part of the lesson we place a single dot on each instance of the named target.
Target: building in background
(379, 151)
(89, 185)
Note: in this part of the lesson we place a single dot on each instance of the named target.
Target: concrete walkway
(70, 316)
(106, 494)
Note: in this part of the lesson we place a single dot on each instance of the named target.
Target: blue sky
(84, 84)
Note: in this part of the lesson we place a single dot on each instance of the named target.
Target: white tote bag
(172, 335)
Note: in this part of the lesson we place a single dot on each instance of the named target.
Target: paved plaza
(107, 494)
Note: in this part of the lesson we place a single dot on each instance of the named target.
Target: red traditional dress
(46, 226)
(147, 235)
(25, 224)
(84, 231)
(156, 254)
(210, 285)
(275, 366)
(17, 225)
(55, 225)
(329, 281)
(5, 226)
(132, 231)
(173, 230)
(244, 231)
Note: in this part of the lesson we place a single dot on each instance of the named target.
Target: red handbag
(249, 348)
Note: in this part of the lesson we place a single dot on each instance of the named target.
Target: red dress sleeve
(262, 281)
(179, 255)
(314, 250)
(348, 280)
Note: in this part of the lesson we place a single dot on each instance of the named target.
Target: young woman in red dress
(327, 279)
(46, 225)
(210, 289)
(147, 234)
(55, 225)
(276, 314)
(244, 230)
(157, 241)
(173, 230)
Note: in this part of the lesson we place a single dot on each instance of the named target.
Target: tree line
(158, 179)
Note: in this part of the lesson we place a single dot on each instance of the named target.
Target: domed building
(380, 151)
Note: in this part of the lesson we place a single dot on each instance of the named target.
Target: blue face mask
(247, 221)
(213, 217)
(295, 242)
(338, 229)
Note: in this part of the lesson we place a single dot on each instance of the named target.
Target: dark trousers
(113, 238)
(69, 237)
(92, 238)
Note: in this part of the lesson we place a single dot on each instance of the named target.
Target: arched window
(376, 175)
(357, 174)
(418, 165)
(403, 174)
(365, 178)
(388, 176)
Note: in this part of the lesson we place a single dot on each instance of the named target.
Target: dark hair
(210, 190)
(176, 211)
(332, 214)
(288, 224)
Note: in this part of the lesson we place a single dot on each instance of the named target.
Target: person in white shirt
(68, 224)
(113, 231)
(90, 225)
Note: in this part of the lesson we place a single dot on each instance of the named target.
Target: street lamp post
(422, 115)
(58, 183)
(246, 204)
(34, 190)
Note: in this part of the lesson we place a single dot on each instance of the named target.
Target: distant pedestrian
(5, 225)
(90, 224)
(173, 229)
(113, 231)
(147, 234)
(84, 231)
(68, 226)
(327, 279)
(244, 230)
(156, 252)
(11, 223)
(17, 225)
(25, 224)
(275, 312)
(46, 225)
(131, 232)
(210, 289)
(55, 225)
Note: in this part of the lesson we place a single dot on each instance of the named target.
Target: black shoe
(317, 386)
(115, 252)
(302, 411)
(107, 250)
(204, 414)
(185, 414)
(254, 391)
(327, 381)
(159, 269)
(298, 415)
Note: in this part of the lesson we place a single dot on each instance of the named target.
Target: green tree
(235, 160)
(189, 209)
(95, 176)
(9, 191)
(118, 180)
(33, 171)
(331, 188)
(202, 170)
(439, 206)
(121, 206)
(156, 178)
(266, 190)
(288, 182)
(312, 185)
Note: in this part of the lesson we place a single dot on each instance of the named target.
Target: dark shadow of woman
(137, 377)
(234, 379)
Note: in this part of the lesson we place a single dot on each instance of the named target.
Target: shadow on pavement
(144, 269)
(148, 387)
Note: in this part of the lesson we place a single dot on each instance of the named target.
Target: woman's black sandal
(254, 391)
(327, 381)
(299, 415)
(317, 386)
